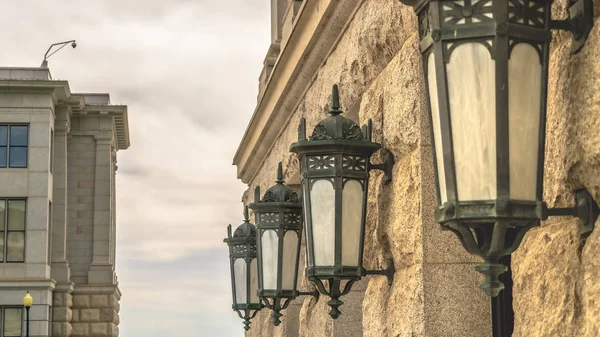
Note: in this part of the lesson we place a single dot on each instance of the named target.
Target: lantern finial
(335, 101)
(491, 269)
(246, 324)
(280, 173)
(246, 217)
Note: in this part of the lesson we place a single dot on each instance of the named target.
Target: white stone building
(57, 206)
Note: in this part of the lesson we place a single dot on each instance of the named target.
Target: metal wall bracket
(388, 272)
(386, 167)
(579, 23)
(314, 294)
(585, 209)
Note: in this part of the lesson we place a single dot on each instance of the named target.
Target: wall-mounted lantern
(335, 174)
(486, 68)
(244, 271)
(279, 226)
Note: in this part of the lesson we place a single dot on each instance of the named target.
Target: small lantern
(486, 69)
(279, 226)
(335, 175)
(244, 271)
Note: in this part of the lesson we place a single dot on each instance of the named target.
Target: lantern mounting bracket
(387, 272)
(579, 23)
(314, 294)
(585, 209)
(386, 167)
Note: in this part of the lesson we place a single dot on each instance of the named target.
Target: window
(14, 140)
(11, 321)
(12, 230)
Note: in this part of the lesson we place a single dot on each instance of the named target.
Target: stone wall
(95, 311)
(557, 275)
(81, 179)
(435, 292)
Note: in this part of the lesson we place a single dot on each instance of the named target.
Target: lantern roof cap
(337, 127)
(245, 230)
(279, 192)
(335, 133)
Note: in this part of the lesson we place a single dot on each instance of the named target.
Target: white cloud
(188, 70)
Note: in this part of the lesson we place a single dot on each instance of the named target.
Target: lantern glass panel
(254, 282)
(435, 121)
(270, 258)
(290, 250)
(239, 267)
(322, 200)
(352, 205)
(472, 96)
(525, 90)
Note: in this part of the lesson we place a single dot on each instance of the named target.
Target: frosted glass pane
(269, 259)
(437, 131)
(352, 201)
(15, 246)
(471, 89)
(239, 268)
(253, 281)
(322, 199)
(13, 318)
(290, 252)
(16, 214)
(2, 210)
(524, 96)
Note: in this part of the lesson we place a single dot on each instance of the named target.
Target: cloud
(188, 71)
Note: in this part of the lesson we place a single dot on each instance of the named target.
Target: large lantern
(244, 271)
(486, 69)
(279, 226)
(335, 174)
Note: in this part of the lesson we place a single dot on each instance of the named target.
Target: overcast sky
(188, 71)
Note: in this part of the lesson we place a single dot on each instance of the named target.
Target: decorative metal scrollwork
(461, 12)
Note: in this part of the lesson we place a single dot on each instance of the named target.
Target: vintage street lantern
(335, 174)
(279, 226)
(244, 271)
(27, 302)
(486, 69)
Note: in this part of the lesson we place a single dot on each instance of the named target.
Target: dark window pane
(2, 216)
(3, 156)
(18, 157)
(12, 322)
(2, 247)
(3, 135)
(18, 135)
(15, 247)
(16, 215)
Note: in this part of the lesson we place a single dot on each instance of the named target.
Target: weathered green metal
(337, 151)
(494, 228)
(242, 245)
(280, 210)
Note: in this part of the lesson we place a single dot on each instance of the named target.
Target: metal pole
(27, 309)
(497, 316)
(502, 312)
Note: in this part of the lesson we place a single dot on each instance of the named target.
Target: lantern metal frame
(242, 245)
(495, 228)
(338, 150)
(280, 210)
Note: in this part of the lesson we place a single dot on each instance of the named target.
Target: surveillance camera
(74, 45)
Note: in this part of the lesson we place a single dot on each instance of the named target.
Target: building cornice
(31, 284)
(119, 114)
(317, 30)
(61, 95)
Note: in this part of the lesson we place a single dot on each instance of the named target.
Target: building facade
(58, 160)
(371, 49)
